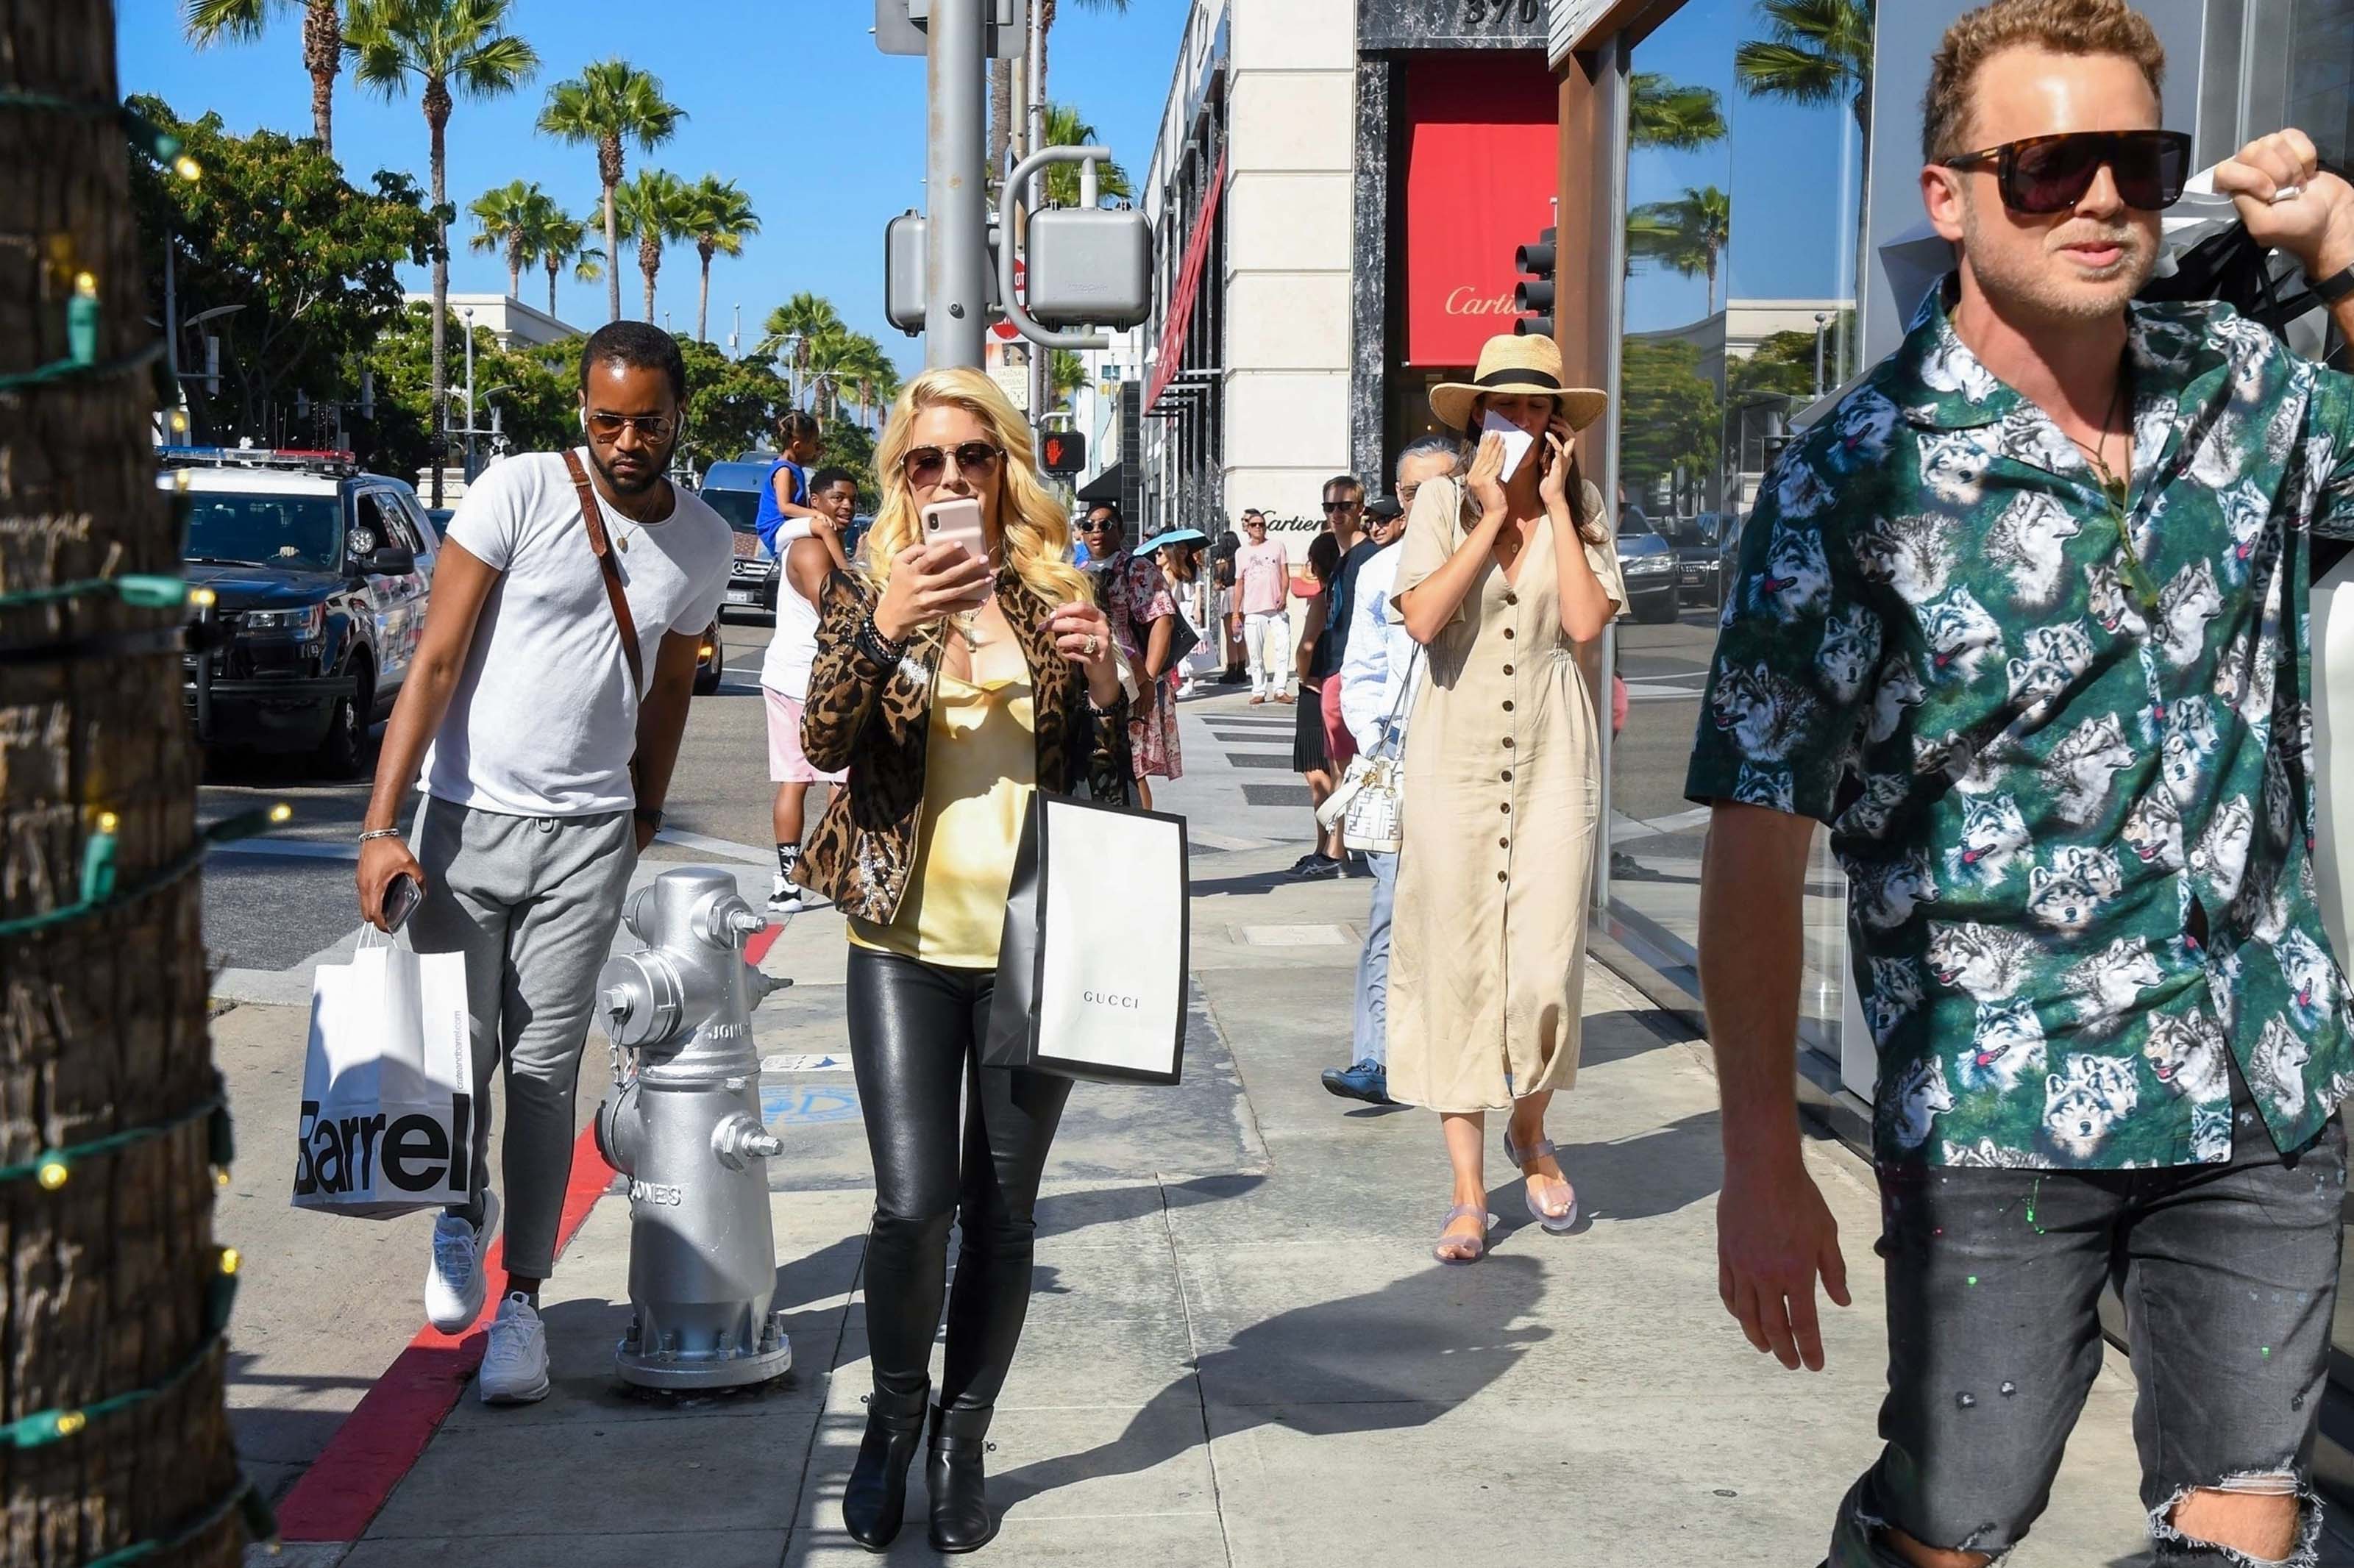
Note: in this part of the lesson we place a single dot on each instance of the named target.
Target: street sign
(1062, 452)
(901, 27)
(1014, 381)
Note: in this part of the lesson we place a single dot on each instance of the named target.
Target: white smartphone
(957, 521)
(1517, 442)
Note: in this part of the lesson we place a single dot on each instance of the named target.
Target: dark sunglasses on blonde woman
(2045, 175)
(925, 465)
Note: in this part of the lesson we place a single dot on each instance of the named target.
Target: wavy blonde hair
(1033, 529)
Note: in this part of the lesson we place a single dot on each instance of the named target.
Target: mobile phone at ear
(956, 521)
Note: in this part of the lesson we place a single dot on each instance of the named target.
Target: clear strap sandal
(1557, 1224)
(1462, 1249)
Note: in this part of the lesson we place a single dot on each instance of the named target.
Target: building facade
(1338, 190)
(507, 319)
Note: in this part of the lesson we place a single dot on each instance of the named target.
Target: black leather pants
(915, 1040)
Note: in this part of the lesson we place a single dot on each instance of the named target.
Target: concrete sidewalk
(1240, 1350)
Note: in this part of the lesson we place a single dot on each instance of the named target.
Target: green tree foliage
(535, 390)
(1066, 129)
(210, 21)
(1673, 115)
(720, 219)
(565, 238)
(609, 103)
(1686, 235)
(274, 227)
(1783, 361)
(655, 208)
(1814, 52)
(513, 219)
(1668, 414)
(732, 404)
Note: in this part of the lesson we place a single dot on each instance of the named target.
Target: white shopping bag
(1091, 967)
(387, 1122)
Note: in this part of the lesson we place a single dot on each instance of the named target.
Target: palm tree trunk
(554, 262)
(103, 1031)
(437, 99)
(323, 55)
(650, 263)
(1001, 115)
(608, 173)
(702, 301)
(515, 263)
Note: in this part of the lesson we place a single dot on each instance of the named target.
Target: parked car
(1649, 563)
(733, 490)
(319, 576)
(1696, 558)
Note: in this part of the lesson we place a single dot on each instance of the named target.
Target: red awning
(1180, 318)
(1481, 146)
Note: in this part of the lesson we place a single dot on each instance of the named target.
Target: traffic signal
(1062, 453)
(1532, 295)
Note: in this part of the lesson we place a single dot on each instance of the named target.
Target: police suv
(319, 575)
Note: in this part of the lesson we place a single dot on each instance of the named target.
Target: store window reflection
(1745, 184)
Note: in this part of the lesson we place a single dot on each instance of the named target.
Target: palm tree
(721, 219)
(1688, 234)
(212, 21)
(795, 325)
(1066, 129)
(1065, 373)
(1815, 52)
(513, 217)
(562, 239)
(609, 103)
(109, 1274)
(655, 206)
(450, 46)
(875, 378)
(1673, 115)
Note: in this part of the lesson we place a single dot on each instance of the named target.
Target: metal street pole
(1820, 318)
(956, 185)
(470, 396)
(1034, 88)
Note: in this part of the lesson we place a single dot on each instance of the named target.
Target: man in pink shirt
(1262, 587)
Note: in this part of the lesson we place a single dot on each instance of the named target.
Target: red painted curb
(762, 940)
(387, 1432)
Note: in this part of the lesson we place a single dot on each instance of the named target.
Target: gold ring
(1091, 644)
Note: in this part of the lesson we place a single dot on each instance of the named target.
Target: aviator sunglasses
(2045, 175)
(925, 465)
(655, 428)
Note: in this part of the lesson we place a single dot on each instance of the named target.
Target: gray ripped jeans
(2228, 1273)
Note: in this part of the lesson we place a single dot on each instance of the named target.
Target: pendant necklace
(2115, 488)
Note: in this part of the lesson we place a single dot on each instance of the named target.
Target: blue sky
(1780, 162)
(790, 99)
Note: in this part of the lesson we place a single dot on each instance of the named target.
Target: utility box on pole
(903, 26)
(1090, 267)
(903, 272)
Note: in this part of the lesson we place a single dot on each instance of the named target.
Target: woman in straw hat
(1503, 574)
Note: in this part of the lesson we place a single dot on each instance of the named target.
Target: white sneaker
(454, 1282)
(515, 1363)
(787, 898)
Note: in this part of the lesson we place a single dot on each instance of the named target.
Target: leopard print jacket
(874, 721)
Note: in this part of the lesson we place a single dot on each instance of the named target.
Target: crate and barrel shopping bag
(1091, 968)
(387, 1116)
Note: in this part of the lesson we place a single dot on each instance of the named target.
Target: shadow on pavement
(1398, 1357)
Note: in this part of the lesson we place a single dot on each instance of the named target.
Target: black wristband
(651, 816)
(2335, 287)
(870, 641)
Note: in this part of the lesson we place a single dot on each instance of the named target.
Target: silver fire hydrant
(683, 1123)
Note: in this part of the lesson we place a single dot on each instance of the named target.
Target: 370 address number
(1501, 12)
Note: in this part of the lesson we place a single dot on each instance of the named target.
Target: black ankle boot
(876, 1497)
(961, 1520)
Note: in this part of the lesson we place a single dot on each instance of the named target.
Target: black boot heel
(962, 1519)
(876, 1500)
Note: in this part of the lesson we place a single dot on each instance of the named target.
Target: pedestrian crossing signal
(1062, 452)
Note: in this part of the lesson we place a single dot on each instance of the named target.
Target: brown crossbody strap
(594, 516)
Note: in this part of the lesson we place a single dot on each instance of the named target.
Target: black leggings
(915, 1039)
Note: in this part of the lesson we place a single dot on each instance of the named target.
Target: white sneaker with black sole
(514, 1361)
(455, 1281)
(790, 898)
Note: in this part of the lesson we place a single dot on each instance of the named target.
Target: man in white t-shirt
(1263, 591)
(544, 776)
(810, 548)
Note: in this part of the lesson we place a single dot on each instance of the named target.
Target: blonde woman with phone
(1501, 576)
(961, 667)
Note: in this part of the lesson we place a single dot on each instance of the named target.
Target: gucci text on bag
(1104, 999)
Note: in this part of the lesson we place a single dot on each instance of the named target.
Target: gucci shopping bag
(1091, 968)
(386, 1125)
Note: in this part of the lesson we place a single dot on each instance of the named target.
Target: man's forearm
(417, 715)
(661, 725)
(1751, 944)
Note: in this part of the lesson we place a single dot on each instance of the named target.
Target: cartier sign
(1482, 168)
(1469, 302)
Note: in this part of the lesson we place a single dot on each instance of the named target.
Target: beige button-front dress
(1503, 789)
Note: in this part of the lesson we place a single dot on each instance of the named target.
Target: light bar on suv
(292, 459)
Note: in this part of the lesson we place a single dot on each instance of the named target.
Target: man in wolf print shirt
(2023, 620)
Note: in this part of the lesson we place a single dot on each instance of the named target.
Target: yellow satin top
(981, 765)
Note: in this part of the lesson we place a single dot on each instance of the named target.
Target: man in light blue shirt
(1377, 699)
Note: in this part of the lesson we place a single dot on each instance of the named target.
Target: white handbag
(1369, 803)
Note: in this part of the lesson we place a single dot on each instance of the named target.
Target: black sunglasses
(925, 465)
(2051, 174)
(1333, 506)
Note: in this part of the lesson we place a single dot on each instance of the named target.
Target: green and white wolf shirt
(2042, 725)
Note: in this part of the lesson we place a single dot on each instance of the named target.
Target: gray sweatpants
(533, 902)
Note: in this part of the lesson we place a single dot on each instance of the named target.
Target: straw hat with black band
(1520, 364)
